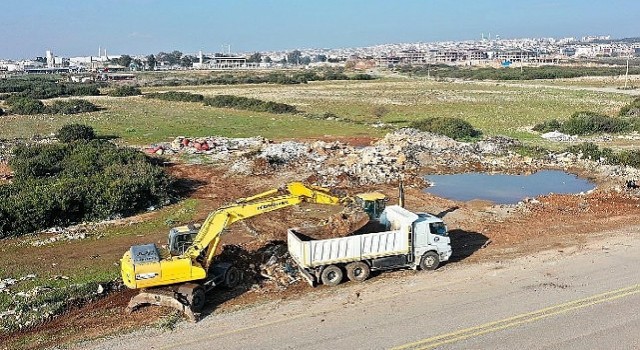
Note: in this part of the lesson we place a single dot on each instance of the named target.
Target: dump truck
(403, 239)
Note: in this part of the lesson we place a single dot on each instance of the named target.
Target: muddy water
(505, 189)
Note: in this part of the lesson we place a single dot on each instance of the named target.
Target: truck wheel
(331, 275)
(197, 299)
(358, 271)
(232, 277)
(430, 261)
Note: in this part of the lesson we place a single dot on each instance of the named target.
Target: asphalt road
(580, 298)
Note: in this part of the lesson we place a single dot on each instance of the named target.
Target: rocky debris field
(403, 154)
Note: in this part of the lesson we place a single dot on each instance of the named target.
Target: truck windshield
(438, 228)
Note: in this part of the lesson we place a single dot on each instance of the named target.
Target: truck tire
(197, 299)
(430, 261)
(331, 275)
(232, 277)
(358, 271)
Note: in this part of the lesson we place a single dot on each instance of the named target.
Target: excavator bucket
(148, 298)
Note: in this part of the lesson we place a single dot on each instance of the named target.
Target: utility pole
(626, 76)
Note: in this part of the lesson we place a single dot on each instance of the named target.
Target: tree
(174, 57)
(151, 62)
(294, 57)
(187, 60)
(138, 63)
(255, 58)
(321, 58)
(305, 60)
(267, 59)
(124, 60)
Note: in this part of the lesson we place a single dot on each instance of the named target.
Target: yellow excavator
(180, 275)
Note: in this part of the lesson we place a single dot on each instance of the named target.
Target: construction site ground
(479, 230)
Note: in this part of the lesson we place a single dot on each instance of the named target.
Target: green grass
(493, 108)
(78, 261)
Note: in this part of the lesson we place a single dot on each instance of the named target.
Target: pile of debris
(559, 137)
(221, 148)
(269, 266)
(401, 152)
(8, 282)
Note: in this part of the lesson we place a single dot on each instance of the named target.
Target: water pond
(505, 189)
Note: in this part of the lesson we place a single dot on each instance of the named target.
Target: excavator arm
(208, 237)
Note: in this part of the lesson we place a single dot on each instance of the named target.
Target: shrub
(125, 90)
(548, 126)
(362, 77)
(587, 123)
(59, 184)
(75, 132)
(588, 150)
(379, 111)
(455, 128)
(627, 157)
(631, 110)
(176, 96)
(26, 106)
(251, 104)
(71, 106)
(44, 87)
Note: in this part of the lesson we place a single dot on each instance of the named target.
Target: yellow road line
(517, 320)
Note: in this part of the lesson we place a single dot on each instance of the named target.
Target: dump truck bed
(308, 252)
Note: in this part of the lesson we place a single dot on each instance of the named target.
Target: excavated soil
(479, 231)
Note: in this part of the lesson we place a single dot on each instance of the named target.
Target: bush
(362, 77)
(548, 126)
(627, 157)
(26, 106)
(251, 104)
(455, 128)
(631, 110)
(59, 184)
(71, 106)
(176, 96)
(587, 123)
(75, 132)
(528, 73)
(125, 90)
(44, 87)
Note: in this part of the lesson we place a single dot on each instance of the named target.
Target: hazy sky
(78, 27)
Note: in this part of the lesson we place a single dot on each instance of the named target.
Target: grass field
(493, 108)
(72, 269)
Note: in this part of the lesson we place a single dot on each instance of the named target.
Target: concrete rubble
(399, 155)
(559, 137)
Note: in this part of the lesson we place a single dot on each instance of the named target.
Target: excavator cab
(373, 203)
(181, 237)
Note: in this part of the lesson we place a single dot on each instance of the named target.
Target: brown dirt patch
(558, 221)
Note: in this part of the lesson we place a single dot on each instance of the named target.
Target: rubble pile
(220, 148)
(559, 137)
(61, 234)
(269, 266)
(331, 163)
(401, 154)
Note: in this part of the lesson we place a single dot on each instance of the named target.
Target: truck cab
(430, 234)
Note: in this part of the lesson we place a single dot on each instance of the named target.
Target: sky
(77, 28)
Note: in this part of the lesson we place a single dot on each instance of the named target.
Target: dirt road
(581, 297)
